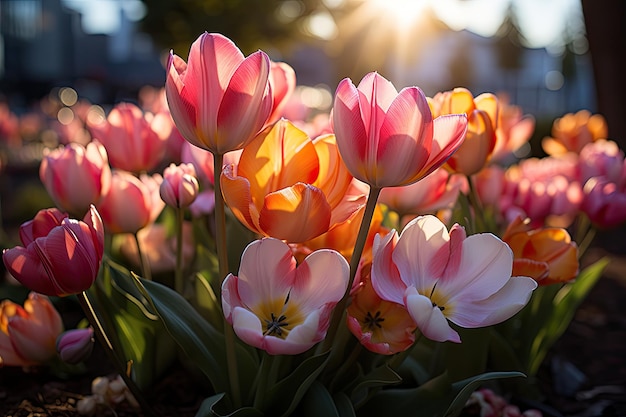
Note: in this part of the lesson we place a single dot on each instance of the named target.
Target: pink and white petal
(429, 318)
(321, 278)
(377, 94)
(386, 279)
(247, 327)
(182, 106)
(266, 273)
(495, 309)
(485, 267)
(366, 338)
(418, 254)
(309, 332)
(230, 297)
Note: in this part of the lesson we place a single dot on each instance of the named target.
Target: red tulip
(219, 100)
(61, 255)
(388, 139)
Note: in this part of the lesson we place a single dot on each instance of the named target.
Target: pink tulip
(388, 139)
(278, 307)
(180, 186)
(219, 100)
(283, 82)
(28, 334)
(601, 158)
(58, 259)
(439, 276)
(76, 176)
(132, 203)
(134, 141)
(76, 345)
(436, 191)
(202, 160)
(604, 202)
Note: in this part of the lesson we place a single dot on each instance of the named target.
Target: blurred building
(43, 45)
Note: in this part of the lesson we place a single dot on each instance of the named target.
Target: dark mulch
(584, 375)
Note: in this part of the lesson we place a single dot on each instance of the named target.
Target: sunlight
(404, 13)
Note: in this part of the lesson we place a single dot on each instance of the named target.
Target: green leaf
(378, 377)
(563, 308)
(200, 341)
(137, 334)
(463, 389)
(317, 402)
(283, 398)
(214, 406)
(345, 408)
(436, 398)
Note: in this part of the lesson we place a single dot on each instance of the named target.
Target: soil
(583, 376)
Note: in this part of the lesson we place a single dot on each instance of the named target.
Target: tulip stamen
(374, 321)
(274, 327)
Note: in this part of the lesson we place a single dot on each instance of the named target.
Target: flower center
(274, 327)
(373, 322)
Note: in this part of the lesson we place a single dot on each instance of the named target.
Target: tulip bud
(76, 345)
(180, 186)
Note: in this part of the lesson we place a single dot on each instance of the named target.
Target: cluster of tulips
(341, 245)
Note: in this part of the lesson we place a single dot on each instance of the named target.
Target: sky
(543, 22)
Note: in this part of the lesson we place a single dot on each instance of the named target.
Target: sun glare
(403, 12)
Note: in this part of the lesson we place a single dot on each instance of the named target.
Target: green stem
(264, 380)
(145, 265)
(222, 256)
(345, 366)
(354, 264)
(102, 337)
(481, 225)
(178, 278)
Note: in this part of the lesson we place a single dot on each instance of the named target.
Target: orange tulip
(288, 186)
(480, 139)
(572, 131)
(547, 255)
(28, 334)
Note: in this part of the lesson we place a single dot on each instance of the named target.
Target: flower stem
(337, 315)
(122, 368)
(476, 204)
(222, 256)
(178, 278)
(145, 265)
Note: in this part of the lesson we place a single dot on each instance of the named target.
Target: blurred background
(549, 56)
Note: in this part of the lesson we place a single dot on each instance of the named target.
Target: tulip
(134, 141)
(601, 158)
(513, 129)
(74, 346)
(604, 202)
(439, 276)
(282, 80)
(76, 176)
(389, 139)
(219, 100)
(436, 191)
(28, 334)
(180, 186)
(289, 187)
(381, 326)
(480, 139)
(547, 255)
(572, 131)
(58, 259)
(278, 307)
(132, 203)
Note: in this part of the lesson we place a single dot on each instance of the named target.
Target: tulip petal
(246, 104)
(386, 279)
(349, 128)
(25, 265)
(320, 279)
(236, 192)
(448, 135)
(429, 318)
(503, 304)
(248, 327)
(266, 273)
(295, 214)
